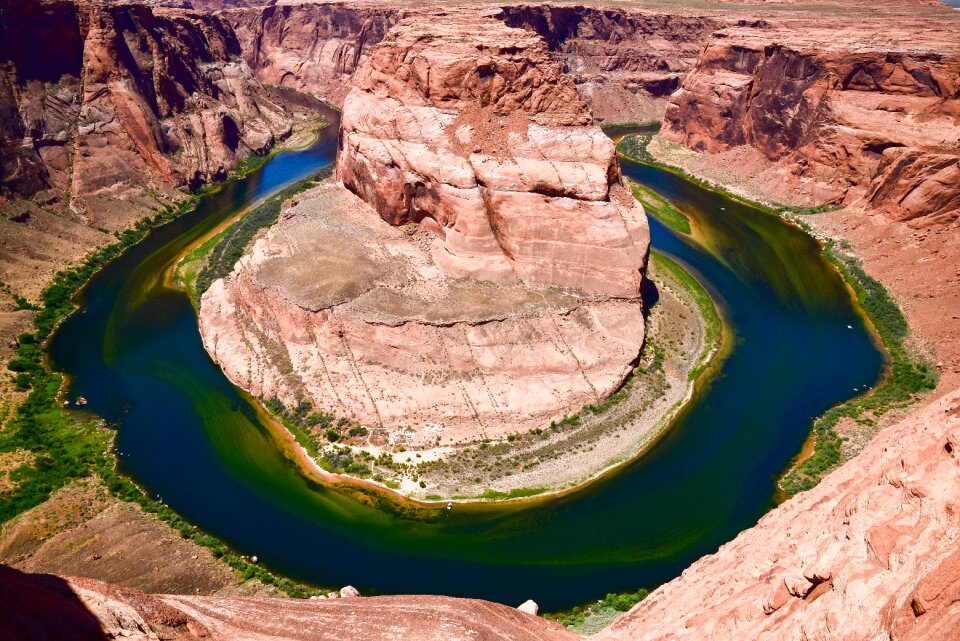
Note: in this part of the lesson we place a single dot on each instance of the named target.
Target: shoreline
(709, 356)
(83, 429)
(820, 452)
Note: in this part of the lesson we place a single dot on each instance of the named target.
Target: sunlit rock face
(487, 278)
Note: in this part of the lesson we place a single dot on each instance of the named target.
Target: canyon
(863, 117)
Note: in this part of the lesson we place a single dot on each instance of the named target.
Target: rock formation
(123, 100)
(848, 118)
(873, 552)
(515, 301)
(469, 127)
(312, 47)
(624, 62)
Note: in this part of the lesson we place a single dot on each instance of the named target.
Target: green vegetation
(316, 430)
(659, 207)
(599, 614)
(634, 147)
(229, 246)
(908, 375)
(516, 493)
(713, 324)
(67, 446)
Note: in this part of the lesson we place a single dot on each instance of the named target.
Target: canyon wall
(312, 47)
(624, 62)
(104, 101)
(851, 119)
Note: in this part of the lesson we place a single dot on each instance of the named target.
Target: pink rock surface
(336, 306)
(472, 124)
(865, 113)
(870, 553)
(78, 609)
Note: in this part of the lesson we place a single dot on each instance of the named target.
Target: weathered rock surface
(84, 609)
(102, 101)
(470, 127)
(312, 47)
(846, 118)
(625, 62)
(460, 330)
(336, 306)
(870, 553)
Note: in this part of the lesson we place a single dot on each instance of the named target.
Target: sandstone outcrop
(336, 306)
(624, 62)
(470, 127)
(123, 100)
(312, 47)
(517, 299)
(870, 553)
(846, 119)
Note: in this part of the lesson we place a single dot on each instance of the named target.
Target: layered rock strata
(470, 128)
(845, 120)
(624, 62)
(335, 306)
(499, 286)
(100, 101)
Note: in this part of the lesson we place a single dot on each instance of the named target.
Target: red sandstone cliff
(856, 117)
(99, 101)
(624, 62)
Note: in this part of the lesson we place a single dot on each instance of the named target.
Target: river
(188, 436)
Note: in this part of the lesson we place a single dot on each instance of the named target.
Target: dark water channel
(187, 435)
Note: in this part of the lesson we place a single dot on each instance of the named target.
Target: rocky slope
(845, 120)
(510, 194)
(130, 100)
(84, 610)
(870, 553)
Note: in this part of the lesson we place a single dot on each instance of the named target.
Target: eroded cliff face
(488, 281)
(312, 47)
(624, 62)
(856, 119)
(103, 101)
(471, 128)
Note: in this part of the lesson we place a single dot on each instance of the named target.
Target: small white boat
(450, 505)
